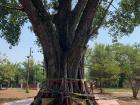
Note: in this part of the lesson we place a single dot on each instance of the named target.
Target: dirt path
(20, 102)
(128, 103)
(12, 94)
(124, 98)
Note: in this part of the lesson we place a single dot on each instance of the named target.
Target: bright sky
(106, 39)
(19, 53)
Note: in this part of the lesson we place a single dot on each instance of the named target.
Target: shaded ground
(124, 97)
(15, 94)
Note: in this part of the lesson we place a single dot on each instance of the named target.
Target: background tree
(36, 73)
(39, 73)
(117, 48)
(63, 31)
(3, 60)
(102, 66)
(13, 74)
(7, 73)
(114, 64)
(128, 58)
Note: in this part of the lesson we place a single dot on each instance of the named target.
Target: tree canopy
(121, 18)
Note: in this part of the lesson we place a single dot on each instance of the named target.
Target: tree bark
(63, 41)
(135, 85)
(66, 87)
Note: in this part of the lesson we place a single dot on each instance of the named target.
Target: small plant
(27, 90)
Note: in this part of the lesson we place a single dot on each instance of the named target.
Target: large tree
(63, 28)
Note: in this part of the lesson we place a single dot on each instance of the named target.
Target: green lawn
(107, 90)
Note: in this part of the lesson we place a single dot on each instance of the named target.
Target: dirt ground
(15, 94)
(124, 98)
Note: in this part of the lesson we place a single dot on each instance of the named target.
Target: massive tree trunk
(66, 86)
(63, 37)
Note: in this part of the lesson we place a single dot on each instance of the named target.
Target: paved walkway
(107, 102)
(20, 102)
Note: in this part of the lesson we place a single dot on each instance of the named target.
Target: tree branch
(44, 29)
(61, 20)
(64, 5)
(11, 7)
(94, 29)
(81, 36)
(74, 18)
(77, 12)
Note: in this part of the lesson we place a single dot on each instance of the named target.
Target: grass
(109, 90)
(27, 90)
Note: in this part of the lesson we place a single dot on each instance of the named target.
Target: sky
(104, 37)
(19, 53)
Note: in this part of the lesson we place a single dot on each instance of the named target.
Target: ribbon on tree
(66, 80)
